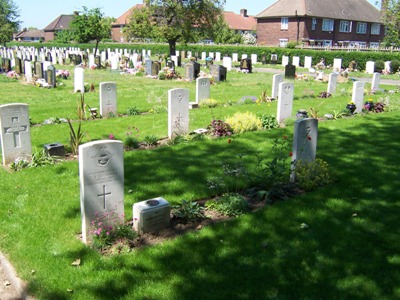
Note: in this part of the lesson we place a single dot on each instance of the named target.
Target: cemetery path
(11, 287)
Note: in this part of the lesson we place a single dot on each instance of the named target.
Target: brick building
(60, 23)
(320, 22)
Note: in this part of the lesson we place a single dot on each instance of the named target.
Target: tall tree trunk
(172, 47)
(95, 49)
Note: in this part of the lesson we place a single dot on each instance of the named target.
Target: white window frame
(283, 42)
(314, 23)
(284, 23)
(345, 26)
(327, 25)
(374, 45)
(361, 28)
(327, 43)
(375, 28)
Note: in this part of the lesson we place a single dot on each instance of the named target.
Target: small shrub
(131, 141)
(133, 111)
(379, 66)
(161, 75)
(150, 140)
(229, 204)
(394, 66)
(242, 122)
(324, 95)
(378, 107)
(269, 121)
(311, 175)
(188, 211)
(38, 158)
(208, 103)
(219, 128)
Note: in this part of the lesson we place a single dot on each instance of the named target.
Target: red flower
(290, 153)
(309, 138)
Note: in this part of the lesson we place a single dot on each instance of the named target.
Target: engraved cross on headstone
(15, 131)
(104, 196)
(178, 120)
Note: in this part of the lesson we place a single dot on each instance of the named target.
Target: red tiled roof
(30, 34)
(62, 22)
(123, 19)
(239, 22)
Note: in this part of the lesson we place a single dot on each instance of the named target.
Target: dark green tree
(9, 22)
(390, 14)
(174, 21)
(222, 34)
(90, 25)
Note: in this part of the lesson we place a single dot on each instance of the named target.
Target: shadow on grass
(350, 249)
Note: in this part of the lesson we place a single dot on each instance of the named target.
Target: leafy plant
(131, 140)
(38, 158)
(269, 121)
(394, 65)
(208, 103)
(231, 204)
(244, 121)
(133, 111)
(379, 107)
(75, 137)
(150, 140)
(81, 107)
(219, 128)
(311, 175)
(188, 211)
(379, 66)
(324, 95)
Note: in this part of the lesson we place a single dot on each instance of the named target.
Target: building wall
(116, 33)
(48, 36)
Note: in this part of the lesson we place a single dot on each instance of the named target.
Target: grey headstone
(108, 98)
(151, 215)
(15, 132)
(276, 80)
(202, 89)
(285, 101)
(375, 81)
(290, 71)
(178, 112)
(358, 95)
(28, 71)
(332, 83)
(218, 72)
(51, 76)
(101, 177)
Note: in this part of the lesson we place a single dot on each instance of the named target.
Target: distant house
(60, 23)
(320, 22)
(26, 35)
(241, 23)
(121, 22)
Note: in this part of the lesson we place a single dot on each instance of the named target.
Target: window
(283, 42)
(327, 25)
(376, 28)
(374, 45)
(314, 23)
(361, 27)
(345, 26)
(284, 23)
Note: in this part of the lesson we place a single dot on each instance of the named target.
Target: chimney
(243, 12)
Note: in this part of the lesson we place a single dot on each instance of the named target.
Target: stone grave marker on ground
(227, 63)
(79, 75)
(28, 71)
(358, 95)
(18, 65)
(192, 70)
(387, 66)
(178, 112)
(51, 76)
(235, 57)
(305, 136)
(246, 64)
(15, 132)
(203, 55)
(296, 61)
(290, 71)
(337, 64)
(274, 59)
(218, 72)
(6, 65)
(276, 80)
(370, 67)
(39, 69)
(376, 78)
(101, 177)
(108, 98)
(285, 101)
(148, 66)
(285, 60)
(254, 59)
(97, 61)
(217, 56)
(151, 215)
(307, 62)
(202, 89)
(332, 83)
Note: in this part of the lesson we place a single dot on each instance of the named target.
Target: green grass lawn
(350, 249)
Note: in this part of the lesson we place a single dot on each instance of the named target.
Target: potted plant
(369, 105)
(351, 107)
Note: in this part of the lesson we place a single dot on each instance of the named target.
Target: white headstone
(276, 80)
(235, 57)
(203, 56)
(79, 76)
(358, 95)
(217, 56)
(308, 62)
(387, 66)
(375, 81)
(227, 63)
(114, 62)
(202, 89)
(15, 132)
(101, 177)
(370, 67)
(108, 98)
(337, 64)
(178, 112)
(296, 61)
(151, 215)
(244, 56)
(285, 101)
(91, 60)
(46, 64)
(174, 58)
(28, 71)
(285, 60)
(332, 83)
(254, 59)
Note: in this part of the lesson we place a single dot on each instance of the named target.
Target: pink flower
(111, 136)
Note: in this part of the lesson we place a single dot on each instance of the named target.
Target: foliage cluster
(231, 204)
(219, 128)
(244, 121)
(188, 211)
(311, 175)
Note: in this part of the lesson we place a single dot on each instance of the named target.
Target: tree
(390, 12)
(90, 25)
(8, 20)
(222, 34)
(174, 20)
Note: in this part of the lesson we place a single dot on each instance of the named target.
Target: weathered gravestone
(54, 149)
(290, 71)
(28, 71)
(155, 68)
(79, 85)
(305, 136)
(192, 70)
(148, 67)
(178, 112)
(285, 101)
(101, 177)
(151, 215)
(6, 65)
(358, 95)
(97, 61)
(202, 89)
(376, 78)
(51, 76)
(274, 59)
(15, 132)
(246, 64)
(276, 80)
(108, 98)
(332, 83)
(218, 72)
(39, 69)
(18, 65)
